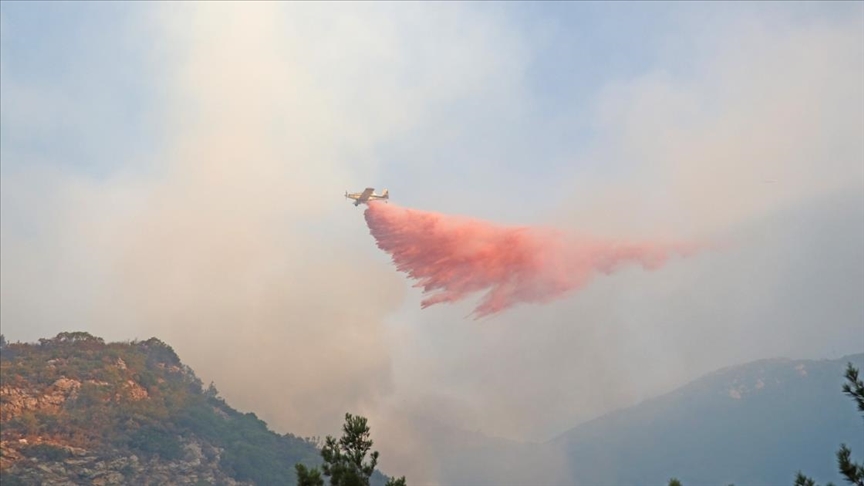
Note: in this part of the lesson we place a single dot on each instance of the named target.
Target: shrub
(46, 452)
(151, 440)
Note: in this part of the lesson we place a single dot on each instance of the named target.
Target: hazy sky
(176, 170)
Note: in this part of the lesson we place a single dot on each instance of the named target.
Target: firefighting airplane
(367, 195)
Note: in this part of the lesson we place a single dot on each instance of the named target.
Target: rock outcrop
(53, 464)
(76, 410)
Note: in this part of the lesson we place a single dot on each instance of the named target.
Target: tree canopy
(345, 460)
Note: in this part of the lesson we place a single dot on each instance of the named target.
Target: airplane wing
(363, 197)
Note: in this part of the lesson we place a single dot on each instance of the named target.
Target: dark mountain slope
(752, 424)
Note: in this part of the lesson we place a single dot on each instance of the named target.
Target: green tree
(308, 477)
(77, 337)
(802, 480)
(5, 352)
(345, 460)
(852, 472)
(854, 386)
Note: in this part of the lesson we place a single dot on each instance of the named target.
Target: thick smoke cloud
(224, 234)
(453, 257)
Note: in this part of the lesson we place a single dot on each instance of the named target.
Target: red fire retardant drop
(452, 257)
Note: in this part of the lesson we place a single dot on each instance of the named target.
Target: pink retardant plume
(452, 257)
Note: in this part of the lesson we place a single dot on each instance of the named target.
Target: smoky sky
(211, 215)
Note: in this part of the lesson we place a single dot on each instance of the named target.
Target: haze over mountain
(757, 423)
(753, 424)
(176, 169)
(77, 409)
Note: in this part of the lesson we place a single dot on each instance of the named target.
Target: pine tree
(345, 460)
(308, 477)
(852, 472)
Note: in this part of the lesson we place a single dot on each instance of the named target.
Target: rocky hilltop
(77, 410)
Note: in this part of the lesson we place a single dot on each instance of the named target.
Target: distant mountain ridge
(77, 410)
(757, 423)
(751, 424)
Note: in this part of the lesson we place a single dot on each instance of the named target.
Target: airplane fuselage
(367, 195)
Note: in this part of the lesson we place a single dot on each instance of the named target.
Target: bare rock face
(132, 391)
(48, 461)
(17, 400)
(9, 455)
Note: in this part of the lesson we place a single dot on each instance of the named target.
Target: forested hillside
(76, 409)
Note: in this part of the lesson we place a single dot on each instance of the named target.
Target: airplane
(367, 195)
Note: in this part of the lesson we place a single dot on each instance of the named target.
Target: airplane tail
(385, 194)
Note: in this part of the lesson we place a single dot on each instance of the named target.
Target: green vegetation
(156, 440)
(7, 479)
(852, 472)
(308, 477)
(138, 398)
(345, 461)
(46, 452)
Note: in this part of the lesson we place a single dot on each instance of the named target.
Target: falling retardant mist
(452, 257)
